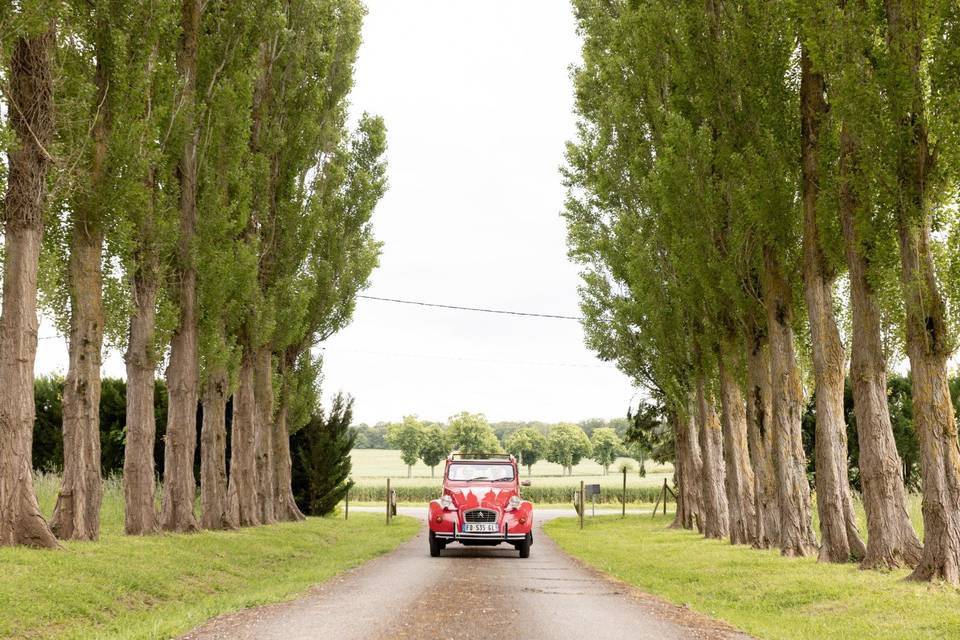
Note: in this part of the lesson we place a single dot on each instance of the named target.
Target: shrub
(320, 453)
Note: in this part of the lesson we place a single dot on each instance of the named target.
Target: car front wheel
(435, 546)
(524, 547)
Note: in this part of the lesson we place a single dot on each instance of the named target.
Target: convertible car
(481, 504)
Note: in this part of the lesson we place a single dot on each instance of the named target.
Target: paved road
(469, 592)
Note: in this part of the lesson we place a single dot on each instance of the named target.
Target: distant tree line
(565, 444)
(375, 436)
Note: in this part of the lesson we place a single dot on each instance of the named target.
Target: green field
(768, 596)
(164, 585)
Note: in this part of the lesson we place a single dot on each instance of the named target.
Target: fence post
(388, 501)
(581, 504)
(624, 514)
(346, 505)
(657, 504)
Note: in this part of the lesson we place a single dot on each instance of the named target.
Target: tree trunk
(179, 483)
(286, 508)
(76, 515)
(736, 456)
(716, 517)
(263, 397)
(839, 536)
(928, 338)
(30, 112)
(759, 418)
(687, 470)
(242, 487)
(213, 453)
(139, 485)
(891, 540)
(796, 533)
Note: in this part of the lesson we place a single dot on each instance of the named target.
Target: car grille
(480, 515)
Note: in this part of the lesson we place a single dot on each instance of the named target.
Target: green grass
(768, 596)
(161, 586)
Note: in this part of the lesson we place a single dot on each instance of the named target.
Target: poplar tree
(28, 50)
(144, 234)
(179, 483)
(838, 42)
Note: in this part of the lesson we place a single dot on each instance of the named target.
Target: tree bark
(286, 508)
(759, 419)
(242, 487)
(891, 539)
(928, 339)
(796, 533)
(739, 472)
(139, 485)
(213, 453)
(840, 539)
(263, 397)
(179, 483)
(688, 470)
(76, 515)
(716, 518)
(30, 111)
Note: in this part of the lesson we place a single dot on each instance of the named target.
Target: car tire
(435, 546)
(524, 547)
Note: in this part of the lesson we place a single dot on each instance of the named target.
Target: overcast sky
(478, 104)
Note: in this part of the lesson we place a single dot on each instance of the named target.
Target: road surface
(469, 592)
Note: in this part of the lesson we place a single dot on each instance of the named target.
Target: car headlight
(446, 501)
(514, 502)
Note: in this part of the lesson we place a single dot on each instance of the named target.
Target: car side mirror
(524, 483)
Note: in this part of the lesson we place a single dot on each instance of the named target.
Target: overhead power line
(426, 356)
(475, 309)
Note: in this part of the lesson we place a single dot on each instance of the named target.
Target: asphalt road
(469, 592)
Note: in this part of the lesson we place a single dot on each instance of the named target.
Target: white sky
(478, 104)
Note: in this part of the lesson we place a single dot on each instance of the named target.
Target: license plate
(480, 527)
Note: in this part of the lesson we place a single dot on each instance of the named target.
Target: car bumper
(500, 536)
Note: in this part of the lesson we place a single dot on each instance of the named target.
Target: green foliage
(527, 445)
(567, 444)
(368, 437)
(48, 425)
(408, 437)
(320, 452)
(649, 435)
(471, 433)
(434, 448)
(606, 446)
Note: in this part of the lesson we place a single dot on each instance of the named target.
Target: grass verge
(161, 586)
(768, 596)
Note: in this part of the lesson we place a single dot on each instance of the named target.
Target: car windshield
(469, 471)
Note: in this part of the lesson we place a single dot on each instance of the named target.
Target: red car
(481, 504)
